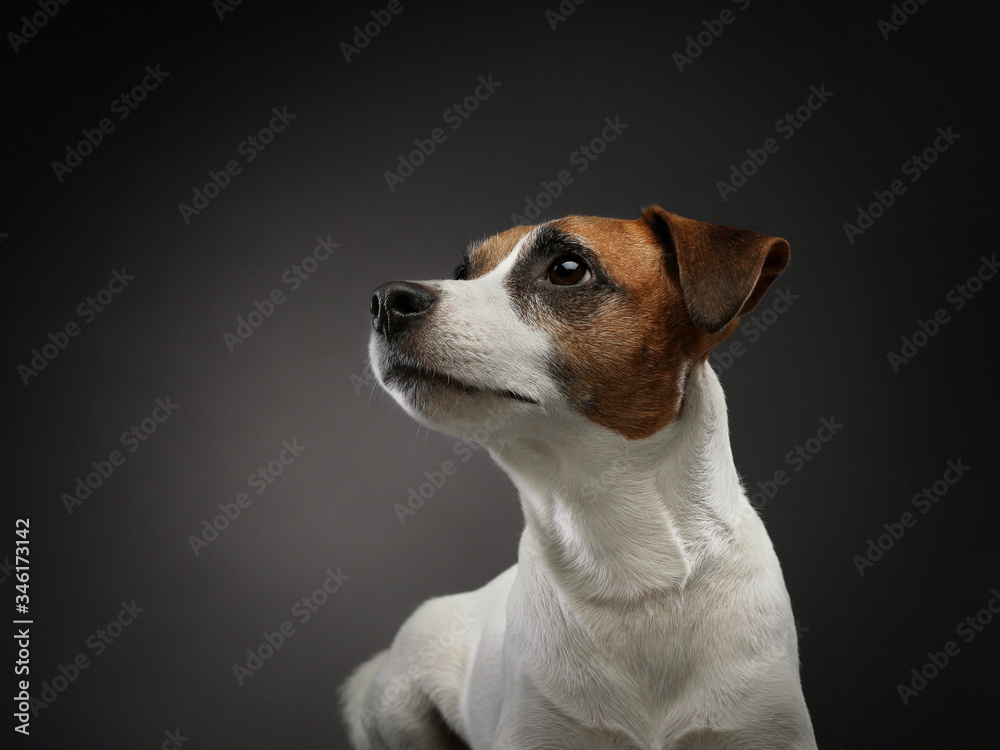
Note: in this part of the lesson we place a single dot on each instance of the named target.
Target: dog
(647, 608)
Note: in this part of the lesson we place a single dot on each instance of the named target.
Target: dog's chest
(641, 672)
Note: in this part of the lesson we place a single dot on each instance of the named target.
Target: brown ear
(723, 271)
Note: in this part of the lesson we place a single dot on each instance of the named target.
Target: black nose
(397, 304)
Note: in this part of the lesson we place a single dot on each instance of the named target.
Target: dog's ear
(723, 272)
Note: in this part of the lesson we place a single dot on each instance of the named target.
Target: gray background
(303, 374)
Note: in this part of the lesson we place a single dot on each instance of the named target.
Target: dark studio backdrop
(203, 459)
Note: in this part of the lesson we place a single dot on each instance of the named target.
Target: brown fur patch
(628, 366)
(723, 271)
(668, 291)
(490, 253)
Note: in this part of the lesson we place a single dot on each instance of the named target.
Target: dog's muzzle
(399, 304)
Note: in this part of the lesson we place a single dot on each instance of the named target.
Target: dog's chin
(448, 403)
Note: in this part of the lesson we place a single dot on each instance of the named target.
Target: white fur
(647, 609)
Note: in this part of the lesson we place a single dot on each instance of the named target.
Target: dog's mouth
(409, 375)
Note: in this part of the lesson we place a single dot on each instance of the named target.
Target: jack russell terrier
(647, 609)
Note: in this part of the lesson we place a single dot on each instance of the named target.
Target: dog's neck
(615, 521)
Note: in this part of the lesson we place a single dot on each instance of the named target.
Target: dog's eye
(567, 270)
(461, 272)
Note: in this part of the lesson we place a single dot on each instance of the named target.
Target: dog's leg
(352, 698)
(391, 713)
(407, 698)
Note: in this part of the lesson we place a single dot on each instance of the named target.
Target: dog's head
(580, 317)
